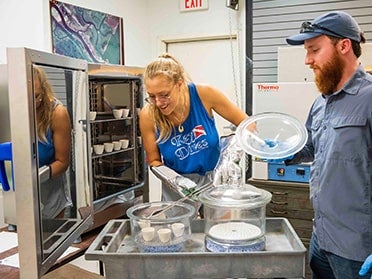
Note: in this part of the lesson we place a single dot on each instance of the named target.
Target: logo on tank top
(199, 131)
(191, 143)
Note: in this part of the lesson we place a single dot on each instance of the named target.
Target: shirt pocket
(349, 137)
(349, 121)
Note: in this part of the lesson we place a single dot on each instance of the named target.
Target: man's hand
(367, 265)
(273, 143)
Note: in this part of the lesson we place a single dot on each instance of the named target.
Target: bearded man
(339, 146)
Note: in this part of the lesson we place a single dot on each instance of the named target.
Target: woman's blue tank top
(196, 149)
(46, 149)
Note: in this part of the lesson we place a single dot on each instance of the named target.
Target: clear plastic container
(235, 218)
(286, 134)
(166, 232)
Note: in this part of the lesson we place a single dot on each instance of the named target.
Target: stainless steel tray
(284, 256)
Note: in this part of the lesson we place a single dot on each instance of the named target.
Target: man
(340, 145)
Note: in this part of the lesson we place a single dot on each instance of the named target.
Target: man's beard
(329, 76)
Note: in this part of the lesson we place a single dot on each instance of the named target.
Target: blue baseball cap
(337, 24)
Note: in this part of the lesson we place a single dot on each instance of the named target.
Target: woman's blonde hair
(44, 111)
(166, 66)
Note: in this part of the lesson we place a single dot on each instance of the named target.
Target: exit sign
(193, 5)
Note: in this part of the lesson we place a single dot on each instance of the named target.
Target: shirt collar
(353, 85)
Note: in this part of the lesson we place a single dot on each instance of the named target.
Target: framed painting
(86, 34)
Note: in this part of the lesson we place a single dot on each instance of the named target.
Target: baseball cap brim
(299, 39)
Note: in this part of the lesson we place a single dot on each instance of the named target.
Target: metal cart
(284, 256)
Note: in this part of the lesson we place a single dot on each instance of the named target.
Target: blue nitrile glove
(272, 143)
(367, 265)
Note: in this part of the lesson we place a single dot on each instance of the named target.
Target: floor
(91, 266)
(87, 268)
(71, 271)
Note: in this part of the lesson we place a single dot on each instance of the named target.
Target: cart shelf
(284, 256)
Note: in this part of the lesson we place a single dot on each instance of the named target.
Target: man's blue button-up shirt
(340, 145)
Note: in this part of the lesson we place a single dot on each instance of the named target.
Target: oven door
(42, 235)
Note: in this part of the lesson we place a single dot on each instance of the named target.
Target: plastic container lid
(287, 134)
(241, 196)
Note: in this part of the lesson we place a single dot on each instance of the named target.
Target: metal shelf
(104, 154)
(116, 171)
(110, 120)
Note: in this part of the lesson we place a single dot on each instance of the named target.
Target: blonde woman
(54, 147)
(177, 125)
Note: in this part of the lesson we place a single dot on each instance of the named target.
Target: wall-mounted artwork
(90, 35)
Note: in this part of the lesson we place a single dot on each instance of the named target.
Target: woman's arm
(61, 128)
(214, 100)
(149, 138)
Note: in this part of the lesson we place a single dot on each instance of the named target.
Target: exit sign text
(193, 5)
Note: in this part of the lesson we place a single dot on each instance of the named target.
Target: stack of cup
(109, 146)
(124, 143)
(92, 115)
(164, 234)
(98, 148)
(117, 145)
(118, 113)
(125, 112)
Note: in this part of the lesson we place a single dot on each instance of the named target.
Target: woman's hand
(227, 170)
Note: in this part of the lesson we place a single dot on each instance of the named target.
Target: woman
(54, 147)
(177, 125)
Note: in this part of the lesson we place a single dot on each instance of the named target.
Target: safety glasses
(307, 27)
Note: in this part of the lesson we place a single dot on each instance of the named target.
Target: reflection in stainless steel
(42, 239)
(62, 191)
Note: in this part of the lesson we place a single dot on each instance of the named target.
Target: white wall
(27, 24)
(167, 22)
(21, 25)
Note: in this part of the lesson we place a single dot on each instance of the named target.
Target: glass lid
(244, 195)
(271, 135)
